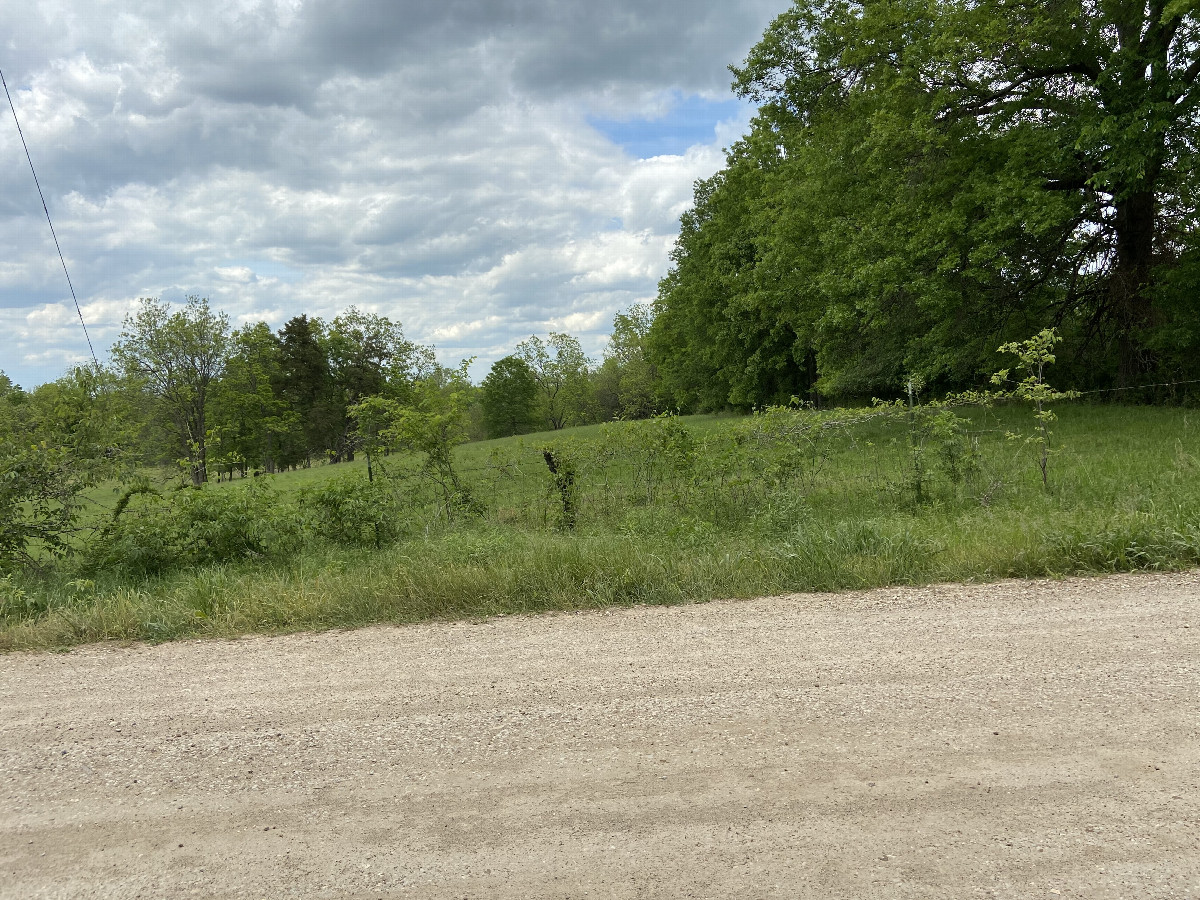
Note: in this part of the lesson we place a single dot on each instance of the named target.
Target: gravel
(1019, 739)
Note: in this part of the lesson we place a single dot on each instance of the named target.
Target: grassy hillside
(663, 512)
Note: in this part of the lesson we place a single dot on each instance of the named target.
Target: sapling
(1033, 356)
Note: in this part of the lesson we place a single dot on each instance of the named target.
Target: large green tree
(252, 420)
(307, 388)
(560, 369)
(370, 356)
(926, 178)
(55, 442)
(628, 384)
(509, 396)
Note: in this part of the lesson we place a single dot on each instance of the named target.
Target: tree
(91, 414)
(177, 356)
(430, 422)
(369, 355)
(725, 332)
(1087, 111)
(927, 180)
(631, 376)
(307, 387)
(509, 397)
(251, 418)
(560, 370)
(52, 447)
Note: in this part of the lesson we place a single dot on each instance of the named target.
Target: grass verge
(1125, 497)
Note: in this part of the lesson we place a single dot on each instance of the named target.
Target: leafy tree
(1100, 96)
(369, 355)
(40, 487)
(627, 375)
(372, 416)
(926, 179)
(92, 414)
(560, 370)
(54, 443)
(253, 421)
(177, 356)
(724, 333)
(509, 396)
(430, 423)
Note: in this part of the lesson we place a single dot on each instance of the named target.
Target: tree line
(185, 387)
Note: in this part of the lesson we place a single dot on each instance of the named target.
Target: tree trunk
(1134, 223)
(200, 465)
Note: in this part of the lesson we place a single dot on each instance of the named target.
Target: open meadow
(663, 511)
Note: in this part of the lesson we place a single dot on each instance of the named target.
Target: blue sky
(689, 121)
(479, 171)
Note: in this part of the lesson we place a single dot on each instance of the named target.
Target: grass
(1124, 495)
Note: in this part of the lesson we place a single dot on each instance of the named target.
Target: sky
(478, 170)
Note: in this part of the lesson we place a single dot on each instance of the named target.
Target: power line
(46, 210)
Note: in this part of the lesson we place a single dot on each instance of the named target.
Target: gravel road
(1021, 739)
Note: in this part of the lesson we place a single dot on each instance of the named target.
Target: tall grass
(1124, 495)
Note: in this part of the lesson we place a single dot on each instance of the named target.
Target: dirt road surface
(1009, 740)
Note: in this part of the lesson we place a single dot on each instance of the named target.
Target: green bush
(355, 511)
(153, 533)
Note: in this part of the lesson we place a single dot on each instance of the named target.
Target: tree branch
(988, 101)
(1189, 78)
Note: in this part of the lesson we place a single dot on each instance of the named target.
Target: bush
(153, 533)
(354, 511)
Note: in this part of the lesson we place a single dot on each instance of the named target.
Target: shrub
(352, 510)
(152, 533)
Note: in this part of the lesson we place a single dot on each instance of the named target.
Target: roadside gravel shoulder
(1014, 739)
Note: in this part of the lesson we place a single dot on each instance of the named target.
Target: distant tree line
(550, 384)
(185, 387)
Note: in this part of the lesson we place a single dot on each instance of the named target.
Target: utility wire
(46, 210)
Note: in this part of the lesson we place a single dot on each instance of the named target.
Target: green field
(665, 511)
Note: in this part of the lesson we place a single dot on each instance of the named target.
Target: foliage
(628, 378)
(654, 450)
(252, 420)
(39, 501)
(939, 441)
(305, 384)
(509, 396)
(92, 414)
(925, 182)
(560, 369)
(1033, 356)
(369, 354)
(54, 444)
(151, 532)
(351, 510)
(1126, 497)
(177, 356)
(430, 424)
(562, 463)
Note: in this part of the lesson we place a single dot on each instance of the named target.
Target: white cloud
(432, 162)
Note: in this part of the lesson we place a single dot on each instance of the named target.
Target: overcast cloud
(479, 170)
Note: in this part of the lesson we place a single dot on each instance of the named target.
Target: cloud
(479, 170)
